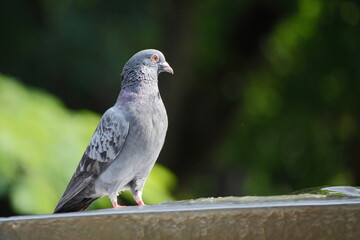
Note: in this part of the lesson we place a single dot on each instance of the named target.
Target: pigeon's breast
(148, 126)
(147, 129)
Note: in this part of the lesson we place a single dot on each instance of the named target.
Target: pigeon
(127, 140)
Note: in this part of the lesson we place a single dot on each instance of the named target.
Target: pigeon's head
(149, 59)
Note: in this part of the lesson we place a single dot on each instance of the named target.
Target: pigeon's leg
(137, 195)
(113, 200)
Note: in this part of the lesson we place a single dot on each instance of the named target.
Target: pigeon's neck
(139, 82)
(138, 79)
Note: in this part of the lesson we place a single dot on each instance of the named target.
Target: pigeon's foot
(140, 203)
(115, 205)
(138, 199)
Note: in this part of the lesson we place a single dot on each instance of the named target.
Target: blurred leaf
(300, 109)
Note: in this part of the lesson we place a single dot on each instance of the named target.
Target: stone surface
(304, 216)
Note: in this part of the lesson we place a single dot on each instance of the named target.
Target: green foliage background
(264, 99)
(300, 110)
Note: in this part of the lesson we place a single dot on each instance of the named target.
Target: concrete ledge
(282, 217)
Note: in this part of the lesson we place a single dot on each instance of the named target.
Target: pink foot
(140, 203)
(115, 205)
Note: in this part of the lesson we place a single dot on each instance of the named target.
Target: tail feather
(74, 205)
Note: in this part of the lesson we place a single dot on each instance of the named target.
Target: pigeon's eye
(155, 58)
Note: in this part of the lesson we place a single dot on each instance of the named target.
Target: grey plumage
(126, 142)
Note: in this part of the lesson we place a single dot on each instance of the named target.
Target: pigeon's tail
(74, 205)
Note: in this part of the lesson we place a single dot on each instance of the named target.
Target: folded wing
(105, 145)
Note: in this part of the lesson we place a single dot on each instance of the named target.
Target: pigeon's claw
(138, 198)
(116, 205)
(140, 203)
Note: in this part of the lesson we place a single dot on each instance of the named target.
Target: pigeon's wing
(105, 145)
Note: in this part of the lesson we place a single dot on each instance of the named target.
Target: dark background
(265, 95)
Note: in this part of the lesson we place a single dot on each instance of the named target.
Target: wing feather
(105, 145)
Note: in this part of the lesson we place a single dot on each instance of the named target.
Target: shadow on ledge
(303, 216)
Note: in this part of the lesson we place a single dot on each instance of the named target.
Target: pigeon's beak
(165, 67)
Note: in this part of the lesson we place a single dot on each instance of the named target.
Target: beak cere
(166, 68)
